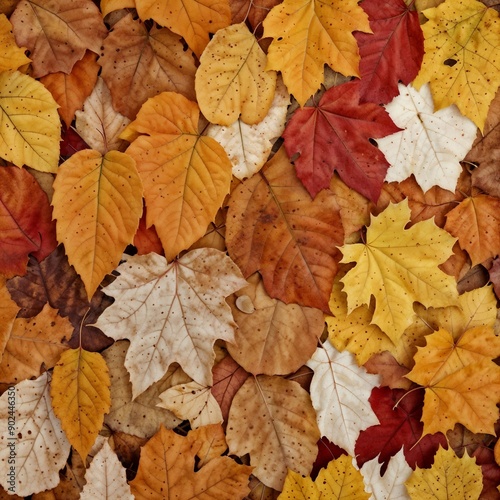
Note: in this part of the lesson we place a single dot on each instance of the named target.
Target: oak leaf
(449, 477)
(462, 47)
(398, 267)
(29, 123)
(307, 35)
(167, 470)
(192, 19)
(97, 203)
(41, 446)
(58, 32)
(462, 383)
(231, 81)
(80, 396)
(137, 64)
(274, 227)
(272, 419)
(392, 53)
(334, 135)
(26, 225)
(11, 56)
(339, 391)
(186, 176)
(188, 294)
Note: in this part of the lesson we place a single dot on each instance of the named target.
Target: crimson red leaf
(393, 52)
(71, 143)
(327, 451)
(400, 427)
(335, 135)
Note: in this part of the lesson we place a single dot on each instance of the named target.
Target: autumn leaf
(392, 53)
(273, 226)
(431, 144)
(307, 35)
(189, 295)
(29, 123)
(108, 6)
(41, 446)
(57, 32)
(231, 80)
(339, 391)
(272, 419)
(399, 266)
(167, 467)
(11, 56)
(462, 46)
(192, 19)
(97, 203)
(335, 136)
(461, 381)
(185, 176)
(449, 477)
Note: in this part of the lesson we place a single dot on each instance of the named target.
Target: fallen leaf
(212, 440)
(339, 391)
(146, 239)
(296, 27)
(11, 56)
(188, 294)
(334, 135)
(431, 144)
(272, 419)
(108, 6)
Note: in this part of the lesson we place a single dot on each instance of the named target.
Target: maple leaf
(11, 56)
(231, 81)
(272, 419)
(167, 467)
(186, 176)
(339, 392)
(307, 35)
(188, 294)
(276, 338)
(398, 267)
(273, 226)
(335, 136)
(460, 379)
(58, 32)
(29, 123)
(192, 19)
(106, 478)
(462, 44)
(449, 477)
(431, 144)
(41, 447)
(25, 221)
(137, 64)
(392, 53)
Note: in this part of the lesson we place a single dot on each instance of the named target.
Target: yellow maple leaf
(462, 57)
(231, 79)
(398, 267)
(11, 56)
(29, 124)
(309, 34)
(186, 176)
(450, 477)
(462, 384)
(97, 203)
(80, 396)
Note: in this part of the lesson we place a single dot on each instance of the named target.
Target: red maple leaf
(400, 427)
(335, 135)
(393, 52)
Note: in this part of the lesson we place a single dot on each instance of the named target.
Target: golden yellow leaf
(309, 34)
(231, 79)
(80, 396)
(29, 124)
(192, 19)
(449, 478)
(108, 6)
(462, 57)
(11, 56)
(186, 176)
(298, 487)
(97, 203)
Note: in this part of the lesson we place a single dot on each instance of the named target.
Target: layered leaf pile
(249, 249)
